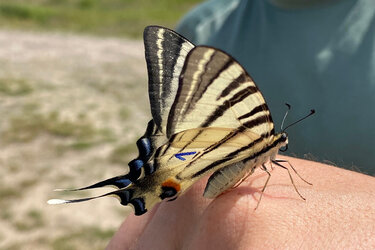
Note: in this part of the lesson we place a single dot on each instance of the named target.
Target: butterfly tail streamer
(130, 196)
(138, 168)
(121, 181)
(123, 195)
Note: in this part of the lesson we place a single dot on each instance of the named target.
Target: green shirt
(319, 57)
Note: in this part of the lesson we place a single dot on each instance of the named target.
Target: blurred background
(73, 101)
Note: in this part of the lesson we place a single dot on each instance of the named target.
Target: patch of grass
(14, 87)
(30, 124)
(6, 213)
(61, 181)
(7, 193)
(86, 238)
(17, 11)
(28, 183)
(54, 125)
(15, 246)
(101, 136)
(124, 114)
(14, 167)
(81, 145)
(32, 220)
(122, 153)
(110, 17)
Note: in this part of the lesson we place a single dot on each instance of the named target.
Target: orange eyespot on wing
(170, 183)
(170, 189)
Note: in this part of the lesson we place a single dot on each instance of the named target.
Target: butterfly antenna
(286, 114)
(303, 118)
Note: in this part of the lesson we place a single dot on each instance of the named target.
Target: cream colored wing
(215, 91)
(193, 153)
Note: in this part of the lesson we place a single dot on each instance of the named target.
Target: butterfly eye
(284, 136)
(284, 140)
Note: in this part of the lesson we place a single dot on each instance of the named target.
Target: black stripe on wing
(254, 111)
(212, 70)
(234, 85)
(235, 153)
(219, 111)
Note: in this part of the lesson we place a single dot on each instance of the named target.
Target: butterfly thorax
(278, 141)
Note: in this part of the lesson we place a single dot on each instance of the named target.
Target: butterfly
(208, 118)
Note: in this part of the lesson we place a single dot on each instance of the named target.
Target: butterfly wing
(165, 52)
(215, 91)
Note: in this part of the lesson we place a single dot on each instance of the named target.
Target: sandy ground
(71, 109)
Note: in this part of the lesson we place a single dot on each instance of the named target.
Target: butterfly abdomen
(257, 153)
(224, 179)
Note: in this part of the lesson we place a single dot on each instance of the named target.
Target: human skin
(338, 213)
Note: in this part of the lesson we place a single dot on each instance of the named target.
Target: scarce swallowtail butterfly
(208, 118)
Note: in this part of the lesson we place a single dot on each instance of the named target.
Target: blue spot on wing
(180, 155)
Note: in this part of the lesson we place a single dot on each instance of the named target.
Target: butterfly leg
(290, 176)
(264, 168)
(295, 171)
(271, 165)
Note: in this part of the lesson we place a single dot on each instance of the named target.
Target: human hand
(339, 212)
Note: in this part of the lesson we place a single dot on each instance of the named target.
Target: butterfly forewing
(165, 52)
(215, 91)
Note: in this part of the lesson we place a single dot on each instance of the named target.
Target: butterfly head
(283, 136)
(283, 142)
